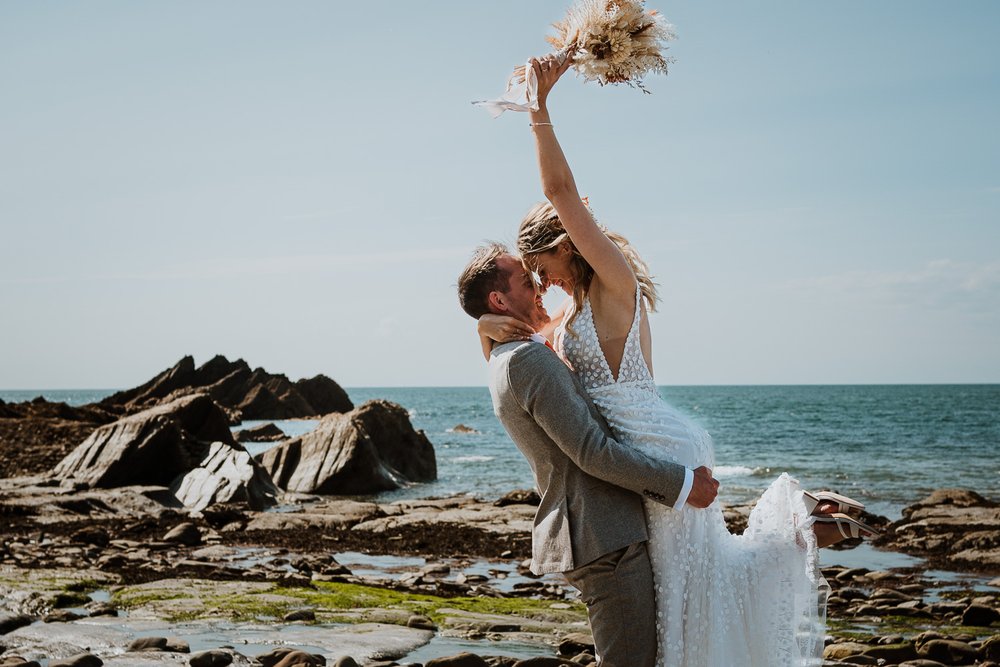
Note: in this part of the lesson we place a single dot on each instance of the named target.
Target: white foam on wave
(732, 471)
(477, 458)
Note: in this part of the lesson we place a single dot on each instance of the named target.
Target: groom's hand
(704, 489)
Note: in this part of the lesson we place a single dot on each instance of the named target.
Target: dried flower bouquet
(614, 41)
(610, 41)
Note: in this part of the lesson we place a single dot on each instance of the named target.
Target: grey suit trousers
(618, 591)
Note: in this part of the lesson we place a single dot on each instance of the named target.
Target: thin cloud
(233, 267)
(938, 283)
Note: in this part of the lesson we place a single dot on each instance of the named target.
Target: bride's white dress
(723, 600)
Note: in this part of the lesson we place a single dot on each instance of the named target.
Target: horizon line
(679, 384)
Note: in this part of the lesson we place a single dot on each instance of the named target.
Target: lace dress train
(723, 600)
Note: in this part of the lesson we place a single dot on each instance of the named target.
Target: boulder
(18, 661)
(263, 433)
(227, 474)
(185, 445)
(990, 649)
(842, 650)
(212, 658)
(184, 533)
(458, 660)
(948, 651)
(519, 497)
(893, 653)
(151, 447)
(324, 395)
(78, 660)
(370, 449)
(576, 643)
(289, 657)
(299, 615)
(148, 644)
(981, 615)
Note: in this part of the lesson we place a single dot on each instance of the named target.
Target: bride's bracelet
(539, 124)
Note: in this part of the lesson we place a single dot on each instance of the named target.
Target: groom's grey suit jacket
(590, 484)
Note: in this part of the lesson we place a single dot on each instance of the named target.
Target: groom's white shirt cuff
(685, 489)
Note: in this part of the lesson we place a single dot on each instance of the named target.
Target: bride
(755, 599)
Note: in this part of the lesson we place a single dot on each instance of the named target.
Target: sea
(887, 445)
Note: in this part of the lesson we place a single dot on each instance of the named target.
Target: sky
(815, 185)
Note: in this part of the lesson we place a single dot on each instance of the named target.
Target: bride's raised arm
(610, 266)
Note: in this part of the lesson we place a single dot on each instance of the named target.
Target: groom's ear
(497, 302)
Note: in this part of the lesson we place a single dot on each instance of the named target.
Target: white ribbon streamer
(520, 95)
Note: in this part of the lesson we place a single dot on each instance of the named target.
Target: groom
(590, 523)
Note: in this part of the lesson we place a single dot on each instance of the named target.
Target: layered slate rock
(184, 444)
(35, 435)
(150, 447)
(263, 433)
(247, 393)
(956, 528)
(227, 474)
(370, 449)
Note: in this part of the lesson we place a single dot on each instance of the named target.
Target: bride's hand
(548, 69)
(503, 329)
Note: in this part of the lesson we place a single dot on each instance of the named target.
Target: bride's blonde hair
(541, 231)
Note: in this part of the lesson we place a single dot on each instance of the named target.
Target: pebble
(420, 622)
(18, 661)
(79, 660)
(300, 615)
(184, 533)
(980, 615)
(948, 651)
(214, 658)
(459, 660)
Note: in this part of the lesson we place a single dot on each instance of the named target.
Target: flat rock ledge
(126, 537)
(956, 529)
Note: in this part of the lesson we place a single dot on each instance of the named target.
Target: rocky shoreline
(139, 531)
(123, 540)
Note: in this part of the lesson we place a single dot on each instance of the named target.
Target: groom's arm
(544, 388)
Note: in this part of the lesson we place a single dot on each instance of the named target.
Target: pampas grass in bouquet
(609, 41)
(614, 41)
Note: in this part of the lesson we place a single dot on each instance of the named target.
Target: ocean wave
(735, 471)
(478, 458)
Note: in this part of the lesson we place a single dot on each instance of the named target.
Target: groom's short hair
(481, 276)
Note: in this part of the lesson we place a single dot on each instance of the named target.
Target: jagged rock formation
(370, 449)
(263, 433)
(184, 444)
(248, 393)
(35, 435)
